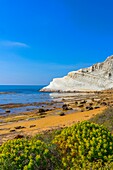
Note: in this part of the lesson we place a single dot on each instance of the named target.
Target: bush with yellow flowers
(23, 154)
(85, 145)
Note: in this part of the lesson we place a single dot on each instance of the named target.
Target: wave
(7, 92)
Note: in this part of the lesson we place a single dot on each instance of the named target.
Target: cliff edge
(94, 78)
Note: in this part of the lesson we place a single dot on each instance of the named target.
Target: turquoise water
(22, 94)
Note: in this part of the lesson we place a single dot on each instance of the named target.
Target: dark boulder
(104, 103)
(65, 107)
(96, 107)
(19, 136)
(7, 111)
(31, 126)
(19, 127)
(41, 110)
(89, 108)
(61, 113)
(83, 102)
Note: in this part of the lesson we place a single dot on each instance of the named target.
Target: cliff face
(97, 77)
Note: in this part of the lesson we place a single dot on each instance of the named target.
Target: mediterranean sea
(22, 94)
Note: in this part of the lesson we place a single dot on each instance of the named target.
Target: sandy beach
(32, 127)
(53, 115)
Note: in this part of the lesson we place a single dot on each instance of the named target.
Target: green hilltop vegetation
(87, 145)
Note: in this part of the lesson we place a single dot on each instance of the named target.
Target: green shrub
(85, 145)
(23, 154)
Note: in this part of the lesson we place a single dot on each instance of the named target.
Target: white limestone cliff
(97, 77)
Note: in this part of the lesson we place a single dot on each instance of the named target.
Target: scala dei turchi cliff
(94, 78)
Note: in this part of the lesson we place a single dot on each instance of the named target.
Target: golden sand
(47, 123)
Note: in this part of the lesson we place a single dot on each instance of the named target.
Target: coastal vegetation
(85, 145)
(105, 118)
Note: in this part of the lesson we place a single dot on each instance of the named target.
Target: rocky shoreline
(62, 110)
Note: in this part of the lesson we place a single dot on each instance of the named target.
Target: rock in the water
(94, 78)
(7, 111)
(41, 110)
(65, 107)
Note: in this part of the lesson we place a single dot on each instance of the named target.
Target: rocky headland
(94, 78)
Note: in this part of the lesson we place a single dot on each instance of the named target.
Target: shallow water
(18, 110)
(22, 94)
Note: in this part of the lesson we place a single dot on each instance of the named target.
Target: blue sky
(44, 39)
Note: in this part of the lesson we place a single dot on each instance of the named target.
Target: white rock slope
(94, 78)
